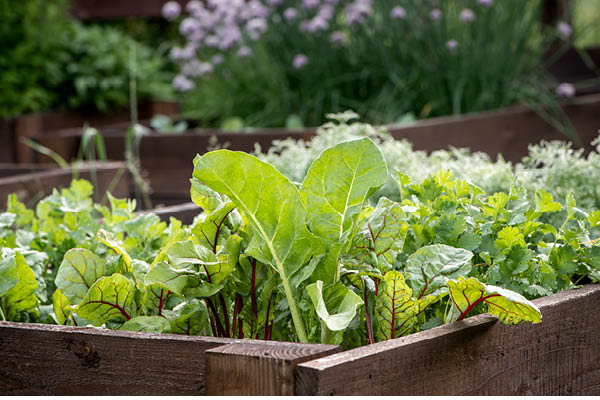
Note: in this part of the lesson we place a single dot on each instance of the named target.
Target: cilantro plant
(311, 262)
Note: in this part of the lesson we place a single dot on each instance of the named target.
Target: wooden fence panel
(477, 356)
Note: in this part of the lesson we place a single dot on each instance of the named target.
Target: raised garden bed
(30, 125)
(477, 356)
(32, 182)
(167, 157)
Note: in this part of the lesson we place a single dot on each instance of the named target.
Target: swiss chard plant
(315, 261)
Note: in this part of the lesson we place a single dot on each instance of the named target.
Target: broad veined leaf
(61, 306)
(272, 206)
(205, 197)
(382, 236)
(21, 297)
(336, 305)
(171, 279)
(395, 307)
(9, 274)
(510, 307)
(109, 240)
(189, 318)
(338, 183)
(111, 297)
(77, 273)
(430, 267)
(212, 230)
(151, 324)
(217, 267)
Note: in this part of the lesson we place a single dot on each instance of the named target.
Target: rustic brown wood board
(477, 356)
(32, 186)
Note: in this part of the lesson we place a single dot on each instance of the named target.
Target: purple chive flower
(185, 53)
(300, 60)
(310, 3)
(564, 29)
(182, 83)
(189, 26)
(338, 37)
(467, 15)
(398, 13)
(485, 3)
(212, 41)
(290, 14)
(452, 45)
(565, 90)
(171, 10)
(217, 59)
(194, 6)
(435, 14)
(256, 27)
(244, 52)
(356, 11)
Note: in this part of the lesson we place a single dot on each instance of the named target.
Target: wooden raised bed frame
(167, 158)
(477, 356)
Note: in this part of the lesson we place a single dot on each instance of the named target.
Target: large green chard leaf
(338, 183)
(430, 267)
(109, 240)
(395, 307)
(171, 279)
(189, 318)
(109, 298)
(77, 273)
(61, 306)
(381, 236)
(21, 297)
(9, 274)
(152, 324)
(213, 230)
(187, 253)
(272, 206)
(510, 307)
(336, 305)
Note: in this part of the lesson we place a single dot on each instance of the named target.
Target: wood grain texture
(56, 360)
(31, 187)
(258, 367)
(477, 356)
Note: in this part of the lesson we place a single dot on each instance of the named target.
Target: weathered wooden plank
(258, 367)
(33, 186)
(40, 359)
(476, 356)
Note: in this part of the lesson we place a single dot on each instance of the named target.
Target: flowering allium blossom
(290, 14)
(256, 27)
(398, 12)
(356, 11)
(485, 3)
(182, 83)
(565, 90)
(244, 52)
(310, 3)
(196, 68)
(467, 15)
(189, 26)
(452, 45)
(171, 10)
(185, 53)
(564, 29)
(194, 6)
(338, 37)
(300, 60)
(435, 14)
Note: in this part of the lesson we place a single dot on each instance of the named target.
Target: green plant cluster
(52, 62)
(309, 262)
(553, 166)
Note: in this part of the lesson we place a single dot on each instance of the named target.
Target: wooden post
(253, 367)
